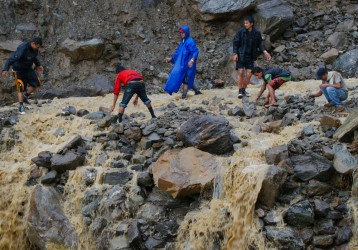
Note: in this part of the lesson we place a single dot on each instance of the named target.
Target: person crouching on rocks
(184, 68)
(273, 79)
(332, 87)
(22, 61)
(134, 83)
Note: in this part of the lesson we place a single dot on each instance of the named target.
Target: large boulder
(273, 18)
(329, 56)
(347, 63)
(207, 133)
(85, 50)
(349, 128)
(271, 185)
(276, 154)
(344, 162)
(300, 214)
(68, 161)
(311, 166)
(185, 172)
(10, 45)
(337, 40)
(46, 222)
(218, 9)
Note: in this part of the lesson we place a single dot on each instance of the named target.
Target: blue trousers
(334, 96)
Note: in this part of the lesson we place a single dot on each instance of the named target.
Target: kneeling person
(273, 79)
(134, 83)
(332, 87)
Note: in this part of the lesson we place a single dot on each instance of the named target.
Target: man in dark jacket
(273, 79)
(22, 61)
(247, 46)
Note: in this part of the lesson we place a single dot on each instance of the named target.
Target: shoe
(340, 108)
(328, 105)
(22, 109)
(198, 92)
(183, 96)
(118, 121)
(241, 94)
(26, 97)
(246, 93)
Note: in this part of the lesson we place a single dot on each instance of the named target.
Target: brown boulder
(84, 50)
(185, 172)
(330, 121)
(347, 131)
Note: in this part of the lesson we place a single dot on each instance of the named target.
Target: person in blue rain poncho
(184, 68)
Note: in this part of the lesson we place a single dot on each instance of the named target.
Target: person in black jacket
(247, 46)
(22, 61)
(273, 79)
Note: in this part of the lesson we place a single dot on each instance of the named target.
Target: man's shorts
(277, 82)
(23, 78)
(134, 88)
(246, 63)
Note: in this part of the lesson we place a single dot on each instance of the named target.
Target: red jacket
(124, 77)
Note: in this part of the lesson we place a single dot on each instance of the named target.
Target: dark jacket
(23, 58)
(241, 40)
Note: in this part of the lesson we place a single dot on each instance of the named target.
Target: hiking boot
(241, 93)
(26, 97)
(328, 105)
(198, 92)
(22, 110)
(246, 93)
(183, 96)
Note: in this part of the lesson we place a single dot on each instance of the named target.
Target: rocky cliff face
(84, 40)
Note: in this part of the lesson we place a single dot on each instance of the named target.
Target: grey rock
(284, 237)
(98, 225)
(134, 133)
(117, 177)
(138, 159)
(323, 241)
(134, 236)
(271, 185)
(328, 152)
(237, 111)
(344, 234)
(315, 188)
(90, 176)
(329, 56)
(306, 235)
(82, 112)
(144, 179)
(90, 209)
(273, 18)
(149, 129)
(43, 159)
(113, 198)
(10, 45)
(104, 122)
(344, 162)
(276, 154)
(119, 243)
(69, 161)
(272, 218)
(347, 63)
(86, 50)
(349, 127)
(49, 178)
(151, 212)
(154, 137)
(300, 214)
(95, 115)
(324, 226)
(337, 39)
(208, 133)
(46, 221)
(321, 208)
(59, 132)
(310, 166)
(308, 130)
(153, 243)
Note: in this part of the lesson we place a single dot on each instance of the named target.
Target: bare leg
(185, 90)
(247, 78)
(240, 82)
(20, 97)
(267, 99)
(272, 95)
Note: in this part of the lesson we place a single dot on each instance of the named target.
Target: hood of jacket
(187, 31)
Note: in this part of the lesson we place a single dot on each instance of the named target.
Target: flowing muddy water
(227, 220)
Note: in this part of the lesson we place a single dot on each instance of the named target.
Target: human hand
(112, 108)
(40, 69)
(236, 58)
(168, 59)
(5, 73)
(323, 85)
(268, 56)
(190, 63)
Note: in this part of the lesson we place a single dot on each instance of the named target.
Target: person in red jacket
(134, 83)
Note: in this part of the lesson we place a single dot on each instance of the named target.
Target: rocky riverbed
(211, 172)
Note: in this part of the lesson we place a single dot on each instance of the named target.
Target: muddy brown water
(240, 183)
